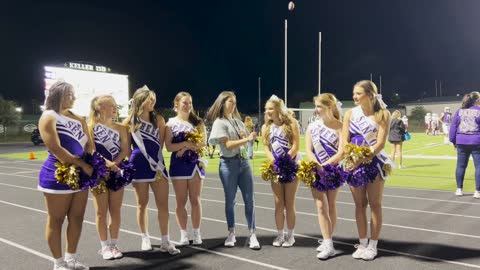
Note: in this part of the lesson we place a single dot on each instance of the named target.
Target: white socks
(104, 243)
(364, 242)
(373, 243)
(165, 239)
(70, 256)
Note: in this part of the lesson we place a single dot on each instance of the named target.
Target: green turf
(431, 173)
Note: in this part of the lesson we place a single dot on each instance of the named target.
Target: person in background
(465, 136)
(230, 134)
(112, 141)
(405, 121)
(396, 136)
(186, 175)
(435, 124)
(446, 120)
(428, 122)
(147, 130)
(67, 138)
(249, 126)
(281, 137)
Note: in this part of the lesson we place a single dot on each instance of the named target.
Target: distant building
(434, 104)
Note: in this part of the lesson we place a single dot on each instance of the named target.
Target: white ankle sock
(280, 232)
(57, 261)
(290, 233)
(183, 232)
(104, 243)
(165, 238)
(70, 256)
(113, 242)
(364, 242)
(196, 231)
(328, 242)
(373, 243)
(145, 234)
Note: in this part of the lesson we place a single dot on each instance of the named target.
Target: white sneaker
(321, 246)
(230, 241)
(76, 265)
(476, 195)
(359, 252)
(253, 242)
(459, 192)
(146, 244)
(326, 253)
(61, 266)
(117, 254)
(170, 248)
(197, 238)
(369, 253)
(184, 240)
(106, 253)
(289, 241)
(278, 241)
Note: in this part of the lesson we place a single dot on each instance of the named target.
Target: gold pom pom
(100, 188)
(68, 175)
(354, 153)
(197, 138)
(306, 172)
(268, 174)
(388, 169)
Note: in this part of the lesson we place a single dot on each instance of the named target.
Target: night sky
(205, 47)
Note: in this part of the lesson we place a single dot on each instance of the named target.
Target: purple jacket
(465, 128)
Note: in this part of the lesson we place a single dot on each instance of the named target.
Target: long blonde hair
(284, 116)
(95, 107)
(140, 97)
(371, 91)
(328, 101)
(217, 110)
(396, 114)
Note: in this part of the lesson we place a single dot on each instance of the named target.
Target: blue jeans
(463, 154)
(236, 172)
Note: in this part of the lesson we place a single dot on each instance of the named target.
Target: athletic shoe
(117, 254)
(230, 241)
(476, 195)
(184, 240)
(253, 242)
(359, 252)
(197, 238)
(289, 241)
(146, 244)
(61, 266)
(459, 192)
(369, 254)
(169, 247)
(76, 265)
(321, 246)
(279, 240)
(106, 253)
(327, 252)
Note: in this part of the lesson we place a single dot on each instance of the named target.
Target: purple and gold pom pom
(286, 169)
(268, 174)
(118, 180)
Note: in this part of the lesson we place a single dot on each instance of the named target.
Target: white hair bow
(380, 101)
(282, 105)
(339, 107)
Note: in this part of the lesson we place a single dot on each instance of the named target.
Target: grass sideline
(434, 172)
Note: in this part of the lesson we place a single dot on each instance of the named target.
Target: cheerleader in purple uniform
(147, 130)
(67, 138)
(112, 141)
(281, 136)
(368, 124)
(186, 168)
(322, 141)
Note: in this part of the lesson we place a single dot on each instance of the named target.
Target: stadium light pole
(285, 75)
(319, 62)
(259, 121)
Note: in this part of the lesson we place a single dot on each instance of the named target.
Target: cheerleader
(322, 142)
(112, 141)
(67, 139)
(281, 136)
(187, 169)
(367, 124)
(147, 130)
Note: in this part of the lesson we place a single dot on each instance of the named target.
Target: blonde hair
(56, 95)
(96, 106)
(249, 123)
(284, 116)
(371, 91)
(328, 101)
(193, 118)
(140, 97)
(217, 110)
(396, 114)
